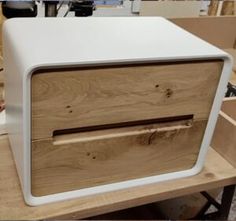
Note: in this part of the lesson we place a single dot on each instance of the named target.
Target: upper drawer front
(83, 97)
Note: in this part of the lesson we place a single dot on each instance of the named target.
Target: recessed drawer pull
(119, 132)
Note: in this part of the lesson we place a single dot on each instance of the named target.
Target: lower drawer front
(86, 159)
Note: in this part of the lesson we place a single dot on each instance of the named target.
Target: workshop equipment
(11, 9)
(111, 104)
(51, 8)
(82, 8)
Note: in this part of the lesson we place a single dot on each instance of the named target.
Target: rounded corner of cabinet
(228, 60)
(197, 168)
(31, 200)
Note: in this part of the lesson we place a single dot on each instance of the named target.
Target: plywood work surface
(216, 173)
(224, 135)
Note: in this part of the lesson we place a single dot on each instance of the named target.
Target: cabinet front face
(100, 125)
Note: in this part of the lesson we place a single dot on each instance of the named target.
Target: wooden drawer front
(86, 159)
(107, 95)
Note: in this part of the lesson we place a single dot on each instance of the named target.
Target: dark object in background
(231, 90)
(82, 8)
(12, 9)
(51, 8)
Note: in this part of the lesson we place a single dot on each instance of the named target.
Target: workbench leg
(223, 208)
(226, 202)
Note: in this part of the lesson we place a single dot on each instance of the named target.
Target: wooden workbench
(218, 172)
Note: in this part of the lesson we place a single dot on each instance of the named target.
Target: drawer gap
(109, 131)
(122, 124)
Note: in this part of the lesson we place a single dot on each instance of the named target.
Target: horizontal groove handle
(116, 133)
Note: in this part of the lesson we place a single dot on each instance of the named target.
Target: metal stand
(223, 209)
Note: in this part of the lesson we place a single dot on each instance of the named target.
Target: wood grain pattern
(217, 172)
(76, 165)
(224, 140)
(212, 11)
(88, 97)
(228, 7)
(125, 131)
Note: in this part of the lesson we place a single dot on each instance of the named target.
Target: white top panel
(67, 41)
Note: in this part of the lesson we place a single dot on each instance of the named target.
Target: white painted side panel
(14, 103)
(68, 41)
